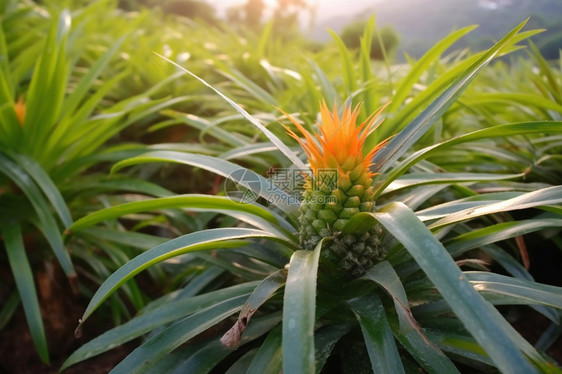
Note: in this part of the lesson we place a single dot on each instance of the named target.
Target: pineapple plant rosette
(407, 305)
(58, 117)
(339, 187)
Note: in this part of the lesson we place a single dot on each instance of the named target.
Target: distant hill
(420, 23)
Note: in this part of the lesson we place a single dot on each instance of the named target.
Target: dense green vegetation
(130, 141)
(385, 39)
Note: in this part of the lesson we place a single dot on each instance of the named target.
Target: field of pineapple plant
(180, 197)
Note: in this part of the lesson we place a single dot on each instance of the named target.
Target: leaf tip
(78, 331)
(231, 339)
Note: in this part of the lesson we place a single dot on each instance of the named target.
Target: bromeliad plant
(372, 282)
(55, 115)
(340, 186)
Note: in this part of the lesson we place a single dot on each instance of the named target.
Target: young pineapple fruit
(339, 187)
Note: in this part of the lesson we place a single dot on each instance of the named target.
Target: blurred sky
(325, 8)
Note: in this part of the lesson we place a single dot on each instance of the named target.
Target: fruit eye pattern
(339, 187)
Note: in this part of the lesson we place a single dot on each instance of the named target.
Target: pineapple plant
(53, 128)
(338, 187)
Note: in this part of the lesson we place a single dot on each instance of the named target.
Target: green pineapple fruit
(339, 187)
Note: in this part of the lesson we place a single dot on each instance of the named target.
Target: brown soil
(60, 308)
(531, 325)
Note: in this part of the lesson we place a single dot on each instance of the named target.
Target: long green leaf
(498, 232)
(69, 130)
(511, 129)
(88, 79)
(531, 292)
(443, 210)
(207, 127)
(101, 130)
(260, 295)
(197, 241)
(174, 309)
(423, 64)
(400, 144)
(191, 201)
(545, 196)
(272, 137)
(459, 345)
(438, 85)
(510, 264)
(206, 279)
(484, 322)
(409, 333)
(347, 67)
(241, 366)
(47, 223)
(9, 308)
(502, 290)
(94, 185)
(259, 185)
(247, 150)
(365, 54)
(26, 286)
(325, 339)
(5, 76)
(50, 75)
(252, 88)
(202, 361)
(418, 179)
(163, 343)
(299, 308)
(45, 183)
(268, 358)
(327, 88)
(379, 340)
(512, 99)
(128, 238)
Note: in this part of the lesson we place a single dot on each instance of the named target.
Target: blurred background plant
(385, 39)
(57, 113)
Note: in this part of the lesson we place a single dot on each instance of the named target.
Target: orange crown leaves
(340, 141)
(19, 107)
